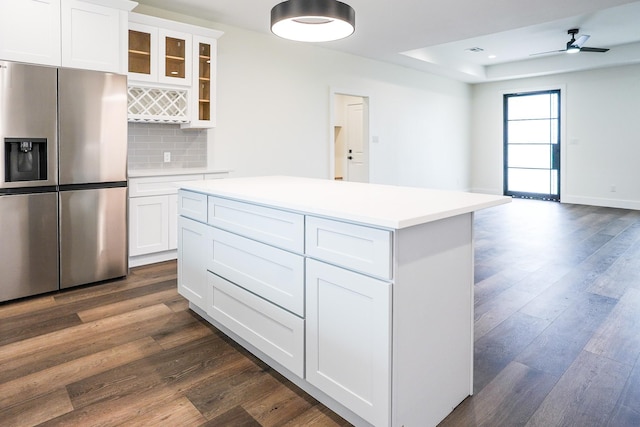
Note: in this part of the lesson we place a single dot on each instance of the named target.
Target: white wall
(601, 135)
(274, 102)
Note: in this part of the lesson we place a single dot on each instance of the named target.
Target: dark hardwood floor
(557, 340)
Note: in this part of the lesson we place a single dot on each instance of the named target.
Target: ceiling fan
(574, 46)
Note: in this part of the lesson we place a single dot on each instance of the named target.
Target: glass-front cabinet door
(204, 83)
(143, 48)
(175, 60)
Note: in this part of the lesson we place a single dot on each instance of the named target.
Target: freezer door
(93, 235)
(93, 126)
(27, 111)
(29, 245)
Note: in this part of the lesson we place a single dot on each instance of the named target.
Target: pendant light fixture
(313, 20)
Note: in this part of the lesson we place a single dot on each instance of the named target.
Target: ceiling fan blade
(546, 53)
(581, 40)
(593, 49)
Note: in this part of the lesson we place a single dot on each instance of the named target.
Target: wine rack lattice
(148, 104)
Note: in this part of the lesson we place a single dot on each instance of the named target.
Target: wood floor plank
(618, 338)
(76, 347)
(624, 416)
(555, 349)
(317, 416)
(42, 382)
(178, 412)
(37, 410)
(130, 304)
(497, 349)
(621, 275)
(82, 331)
(186, 333)
(30, 324)
(585, 395)
(279, 406)
(27, 305)
(130, 283)
(167, 371)
(235, 416)
(13, 331)
(498, 309)
(630, 396)
(488, 289)
(509, 400)
(247, 382)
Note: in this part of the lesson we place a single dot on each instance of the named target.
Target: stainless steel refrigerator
(63, 178)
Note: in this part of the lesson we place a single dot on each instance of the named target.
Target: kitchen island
(361, 294)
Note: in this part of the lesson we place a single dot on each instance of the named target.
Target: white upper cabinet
(143, 48)
(203, 100)
(172, 72)
(30, 31)
(175, 57)
(93, 36)
(158, 55)
(86, 34)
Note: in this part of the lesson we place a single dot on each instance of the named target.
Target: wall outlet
(167, 156)
(613, 188)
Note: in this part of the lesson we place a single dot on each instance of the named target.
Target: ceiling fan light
(312, 20)
(573, 49)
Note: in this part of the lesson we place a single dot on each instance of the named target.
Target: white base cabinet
(194, 244)
(153, 216)
(348, 336)
(379, 327)
(148, 224)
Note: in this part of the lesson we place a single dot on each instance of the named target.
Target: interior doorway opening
(350, 146)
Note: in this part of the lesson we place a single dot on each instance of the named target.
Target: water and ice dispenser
(25, 159)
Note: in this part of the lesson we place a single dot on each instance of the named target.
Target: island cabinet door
(348, 339)
(193, 252)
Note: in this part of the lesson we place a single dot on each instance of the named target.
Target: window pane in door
(529, 180)
(532, 131)
(530, 156)
(542, 106)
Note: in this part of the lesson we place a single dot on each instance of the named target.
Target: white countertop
(141, 173)
(373, 204)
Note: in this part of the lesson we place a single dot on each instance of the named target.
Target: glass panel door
(532, 145)
(174, 57)
(139, 52)
(204, 81)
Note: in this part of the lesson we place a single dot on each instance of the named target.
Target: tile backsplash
(149, 141)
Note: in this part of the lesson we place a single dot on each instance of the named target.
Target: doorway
(532, 145)
(351, 136)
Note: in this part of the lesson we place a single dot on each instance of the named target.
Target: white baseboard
(596, 201)
(136, 261)
(492, 191)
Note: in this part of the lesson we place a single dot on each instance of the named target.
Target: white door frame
(332, 119)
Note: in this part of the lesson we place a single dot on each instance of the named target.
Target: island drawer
(274, 274)
(273, 226)
(192, 205)
(356, 247)
(272, 330)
